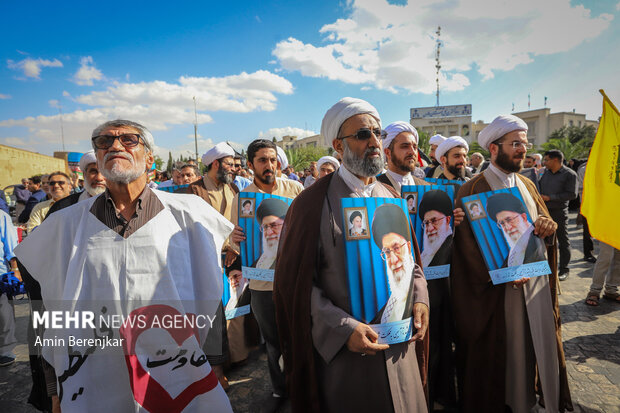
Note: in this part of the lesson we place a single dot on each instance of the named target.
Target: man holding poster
(340, 366)
(507, 335)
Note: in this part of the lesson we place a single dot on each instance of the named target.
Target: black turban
(389, 218)
(435, 200)
(247, 202)
(410, 197)
(271, 206)
(353, 215)
(504, 202)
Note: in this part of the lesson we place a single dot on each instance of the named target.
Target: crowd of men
(478, 347)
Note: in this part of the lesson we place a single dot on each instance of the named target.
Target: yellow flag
(601, 185)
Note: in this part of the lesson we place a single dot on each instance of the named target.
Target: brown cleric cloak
(292, 291)
(481, 329)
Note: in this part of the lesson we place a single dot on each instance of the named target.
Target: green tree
(573, 141)
(423, 144)
(300, 158)
(170, 162)
(158, 162)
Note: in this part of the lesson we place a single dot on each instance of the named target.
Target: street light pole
(196, 129)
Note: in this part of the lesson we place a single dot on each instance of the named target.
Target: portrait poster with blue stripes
(236, 294)
(504, 232)
(431, 210)
(175, 189)
(442, 181)
(261, 216)
(380, 265)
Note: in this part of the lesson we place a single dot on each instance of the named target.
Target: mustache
(267, 171)
(118, 153)
(371, 151)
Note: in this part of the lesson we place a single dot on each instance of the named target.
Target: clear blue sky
(271, 68)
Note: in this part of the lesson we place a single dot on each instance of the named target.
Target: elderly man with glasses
(131, 253)
(507, 335)
(333, 361)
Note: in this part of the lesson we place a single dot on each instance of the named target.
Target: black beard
(402, 166)
(266, 180)
(504, 162)
(458, 172)
(223, 176)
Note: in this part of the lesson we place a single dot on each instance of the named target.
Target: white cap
(86, 159)
(282, 158)
(219, 151)
(450, 143)
(328, 159)
(500, 126)
(341, 111)
(436, 139)
(393, 129)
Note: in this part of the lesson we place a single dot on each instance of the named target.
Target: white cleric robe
(168, 268)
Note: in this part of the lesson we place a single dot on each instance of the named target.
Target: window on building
(570, 123)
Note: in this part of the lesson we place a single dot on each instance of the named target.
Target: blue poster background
(493, 245)
(175, 189)
(252, 248)
(436, 271)
(367, 275)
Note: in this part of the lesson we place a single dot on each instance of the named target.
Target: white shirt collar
(509, 180)
(355, 184)
(406, 179)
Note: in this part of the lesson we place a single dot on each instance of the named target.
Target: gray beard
(120, 176)
(402, 288)
(223, 177)
(93, 191)
(362, 166)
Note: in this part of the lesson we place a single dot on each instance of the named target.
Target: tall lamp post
(196, 129)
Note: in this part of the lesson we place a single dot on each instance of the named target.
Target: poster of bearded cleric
(380, 265)
(236, 294)
(431, 212)
(504, 231)
(261, 216)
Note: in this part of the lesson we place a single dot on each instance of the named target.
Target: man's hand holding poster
(504, 231)
(261, 216)
(380, 265)
(431, 212)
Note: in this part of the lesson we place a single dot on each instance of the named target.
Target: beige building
(291, 142)
(541, 123)
(16, 164)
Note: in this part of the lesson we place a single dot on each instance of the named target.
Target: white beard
(432, 246)
(268, 256)
(516, 256)
(235, 293)
(399, 292)
(116, 174)
(93, 191)
(357, 231)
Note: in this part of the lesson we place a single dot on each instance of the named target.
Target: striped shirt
(148, 207)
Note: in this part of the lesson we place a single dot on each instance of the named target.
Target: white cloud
(391, 47)
(87, 72)
(32, 67)
(158, 105)
(3, 96)
(278, 133)
(618, 6)
(13, 141)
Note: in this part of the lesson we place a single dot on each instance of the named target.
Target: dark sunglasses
(128, 140)
(363, 134)
(60, 183)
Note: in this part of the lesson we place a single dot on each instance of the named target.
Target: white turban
(450, 143)
(282, 158)
(328, 159)
(436, 139)
(500, 126)
(88, 158)
(341, 111)
(219, 151)
(393, 129)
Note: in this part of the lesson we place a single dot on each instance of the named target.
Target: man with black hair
(263, 160)
(558, 185)
(452, 153)
(37, 195)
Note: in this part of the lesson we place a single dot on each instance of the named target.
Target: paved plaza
(591, 342)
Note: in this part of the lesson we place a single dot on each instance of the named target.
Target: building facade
(444, 120)
(291, 142)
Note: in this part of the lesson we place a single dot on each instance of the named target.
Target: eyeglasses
(128, 140)
(517, 144)
(506, 222)
(229, 164)
(386, 253)
(273, 226)
(59, 183)
(432, 222)
(363, 134)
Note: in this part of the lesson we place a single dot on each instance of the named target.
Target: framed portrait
(411, 198)
(475, 210)
(356, 224)
(246, 207)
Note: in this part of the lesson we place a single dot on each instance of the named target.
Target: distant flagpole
(196, 129)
